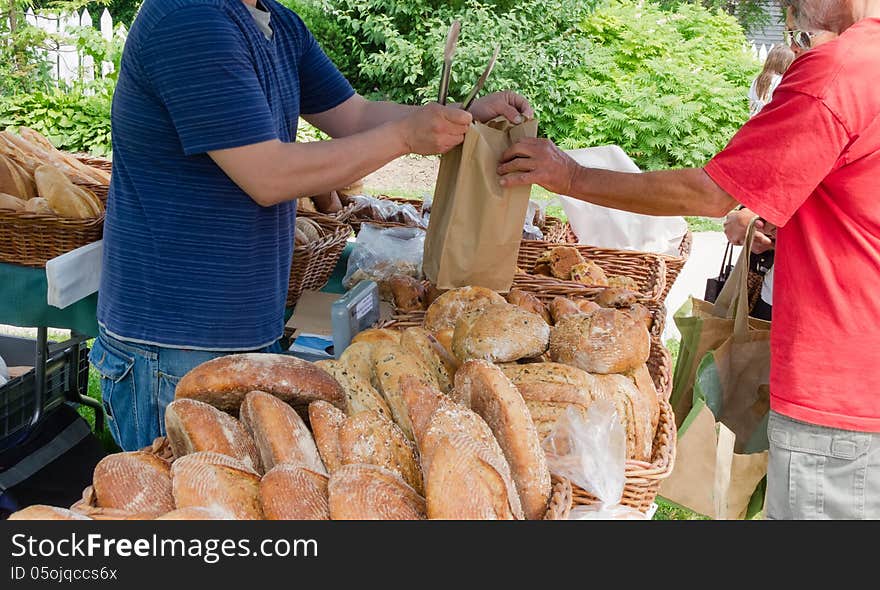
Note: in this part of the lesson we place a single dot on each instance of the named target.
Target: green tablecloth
(23, 299)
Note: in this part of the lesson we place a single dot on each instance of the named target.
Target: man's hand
(736, 225)
(510, 104)
(538, 161)
(434, 129)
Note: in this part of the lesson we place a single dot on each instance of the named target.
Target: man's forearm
(667, 192)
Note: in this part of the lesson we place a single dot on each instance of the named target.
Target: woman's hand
(510, 104)
(538, 161)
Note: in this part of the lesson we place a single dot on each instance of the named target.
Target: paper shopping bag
(721, 455)
(476, 225)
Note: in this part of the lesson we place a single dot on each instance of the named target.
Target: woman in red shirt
(808, 163)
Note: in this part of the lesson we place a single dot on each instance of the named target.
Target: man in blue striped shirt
(198, 237)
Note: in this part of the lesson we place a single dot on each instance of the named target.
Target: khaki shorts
(821, 473)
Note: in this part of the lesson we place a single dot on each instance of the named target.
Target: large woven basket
(313, 263)
(564, 234)
(647, 270)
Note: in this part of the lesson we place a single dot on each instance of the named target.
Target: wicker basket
(313, 263)
(355, 222)
(648, 270)
(563, 234)
(95, 162)
(560, 499)
(31, 239)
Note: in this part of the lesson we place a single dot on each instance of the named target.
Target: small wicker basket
(313, 263)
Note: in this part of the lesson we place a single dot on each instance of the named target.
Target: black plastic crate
(67, 377)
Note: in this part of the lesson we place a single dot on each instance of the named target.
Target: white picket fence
(69, 64)
(760, 52)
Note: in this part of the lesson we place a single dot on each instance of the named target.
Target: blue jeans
(138, 382)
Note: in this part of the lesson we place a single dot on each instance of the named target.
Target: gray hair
(820, 15)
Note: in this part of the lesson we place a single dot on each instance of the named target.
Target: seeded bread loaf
(444, 312)
(606, 341)
(500, 333)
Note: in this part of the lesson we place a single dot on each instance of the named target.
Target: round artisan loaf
(529, 302)
(447, 308)
(135, 482)
(369, 492)
(606, 341)
(638, 412)
(224, 382)
(193, 426)
(500, 333)
(212, 480)
(290, 492)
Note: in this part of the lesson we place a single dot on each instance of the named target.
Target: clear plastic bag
(589, 448)
(379, 209)
(381, 252)
(534, 221)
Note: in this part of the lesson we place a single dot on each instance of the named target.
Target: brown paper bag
(476, 226)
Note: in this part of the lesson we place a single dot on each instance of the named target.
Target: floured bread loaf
(197, 513)
(193, 426)
(368, 492)
(43, 512)
(369, 438)
(326, 420)
(529, 302)
(390, 363)
(549, 389)
(485, 389)
(453, 425)
(424, 345)
(135, 482)
(500, 333)
(215, 481)
(607, 341)
(561, 307)
(421, 400)
(636, 413)
(360, 395)
(377, 336)
(357, 360)
(280, 434)
(290, 492)
(223, 382)
(444, 312)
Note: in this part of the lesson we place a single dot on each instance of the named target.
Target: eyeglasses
(803, 39)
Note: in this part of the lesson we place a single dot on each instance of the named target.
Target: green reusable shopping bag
(723, 403)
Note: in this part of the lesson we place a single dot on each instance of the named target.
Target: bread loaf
(444, 312)
(424, 345)
(197, 513)
(43, 512)
(444, 337)
(193, 426)
(327, 202)
(15, 181)
(290, 492)
(405, 292)
(306, 204)
(39, 205)
(280, 434)
(75, 169)
(549, 389)
(369, 438)
(650, 397)
(326, 420)
(135, 482)
(636, 414)
(529, 302)
(377, 336)
(586, 306)
(562, 259)
(616, 297)
(368, 492)
(360, 395)
(607, 341)
(215, 481)
(391, 362)
(422, 400)
(500, 333)
(62, 195)
(485, 389)
(311, 230)
(589, 273)
(561, 307)
(358, 361)
(12, 202)
(225, 381)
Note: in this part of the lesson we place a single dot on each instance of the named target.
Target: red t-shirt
(810, 163)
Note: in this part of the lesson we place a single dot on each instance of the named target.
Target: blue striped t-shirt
(190, 260)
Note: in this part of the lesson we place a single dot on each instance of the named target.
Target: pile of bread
(568, 264)
(37, 178)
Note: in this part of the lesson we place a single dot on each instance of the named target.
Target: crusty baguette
(212, 480)
(424, 345)
(368, 492)
(444, 312)
(500, 333)
(193, 426)
(279, 433)
(326, 420)
(607, 341)
(12, 202)
(63, 196)
(391, 362)
(225, 381)
(360, 395)
(369, 438)
(485, 389)
(14, 180)
(136, 482)
(291, 492)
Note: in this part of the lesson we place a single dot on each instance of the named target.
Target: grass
(700, 224)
